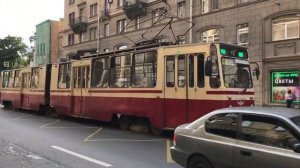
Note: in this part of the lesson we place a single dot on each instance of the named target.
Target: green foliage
(12, 50)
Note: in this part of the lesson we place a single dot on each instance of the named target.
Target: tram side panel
(38, 94)
(10, 89)
(60, 90)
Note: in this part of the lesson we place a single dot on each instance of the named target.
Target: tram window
(5, 79)
(35, 78)
(17, 79)
(26, 80)
(85, 72)
(214, 80)
(11, 79)
(64, 76)
(75, 73)
(144, 70)
(191, 71)
(100, 73)
(120, 72)
(170, 64)
(181, 71)
(200, 71)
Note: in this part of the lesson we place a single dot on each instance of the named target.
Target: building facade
(269, 28)
(46, 42)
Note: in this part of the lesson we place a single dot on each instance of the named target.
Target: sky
(19, 17)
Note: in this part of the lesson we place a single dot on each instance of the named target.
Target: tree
(11, 50)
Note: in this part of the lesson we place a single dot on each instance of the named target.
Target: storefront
(281, 82)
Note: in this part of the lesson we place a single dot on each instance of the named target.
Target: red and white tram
(164, 86)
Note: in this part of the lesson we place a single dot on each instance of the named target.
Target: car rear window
(224, 124)
(296, 120)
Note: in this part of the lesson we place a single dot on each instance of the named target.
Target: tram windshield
(236, 73)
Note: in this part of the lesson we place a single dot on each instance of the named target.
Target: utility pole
(98, 26)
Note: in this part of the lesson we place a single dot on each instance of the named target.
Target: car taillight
(174, 139)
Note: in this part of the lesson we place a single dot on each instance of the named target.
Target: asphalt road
(28, 140)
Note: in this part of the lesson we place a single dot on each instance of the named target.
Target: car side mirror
(296, 148)
(208, 66)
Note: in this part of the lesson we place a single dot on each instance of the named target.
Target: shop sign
(282, 82)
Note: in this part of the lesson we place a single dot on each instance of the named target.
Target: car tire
(199, 162)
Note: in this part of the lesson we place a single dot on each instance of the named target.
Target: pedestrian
(289, 98)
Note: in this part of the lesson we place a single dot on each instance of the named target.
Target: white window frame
(93, 9)
(213, 36)
(242, 29)
(204, 6)
(106, 30)
(121, 25)
(181, 9)
(286, 30)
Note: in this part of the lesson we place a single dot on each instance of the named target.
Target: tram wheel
(124, 122)
(155, 131)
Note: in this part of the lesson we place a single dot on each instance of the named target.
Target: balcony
(104, 15)
(79, 25)
(133, 10)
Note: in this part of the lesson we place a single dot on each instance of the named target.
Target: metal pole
(98, 27)
(191, 22)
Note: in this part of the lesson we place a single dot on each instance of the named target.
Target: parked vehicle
(240, 137)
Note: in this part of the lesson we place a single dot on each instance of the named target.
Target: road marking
(127, 140)
(169, 157)
(82, 156)
(46, 125)
(18, 117)
(93, 134)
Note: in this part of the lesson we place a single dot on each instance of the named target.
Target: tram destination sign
(233, 51)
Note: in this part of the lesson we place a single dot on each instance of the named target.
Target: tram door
(175, 90)
(25, 90)
(80, 94)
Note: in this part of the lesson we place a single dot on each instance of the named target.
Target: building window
(122, 47)
(93, 33)
(120, 3)
(157, 15)
(204, 6)
(93, 10)
(243, 34)
(137, 23)
(281, 82)
(71, 39)
(181, 9)
(81, 37)
(81, 13)
(106, 30)
(211, 35)
(121, 26)
(215, 4)
(245, 1)
(71, 18)
(286, 27)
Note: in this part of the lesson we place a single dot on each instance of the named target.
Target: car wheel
(199, 162)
